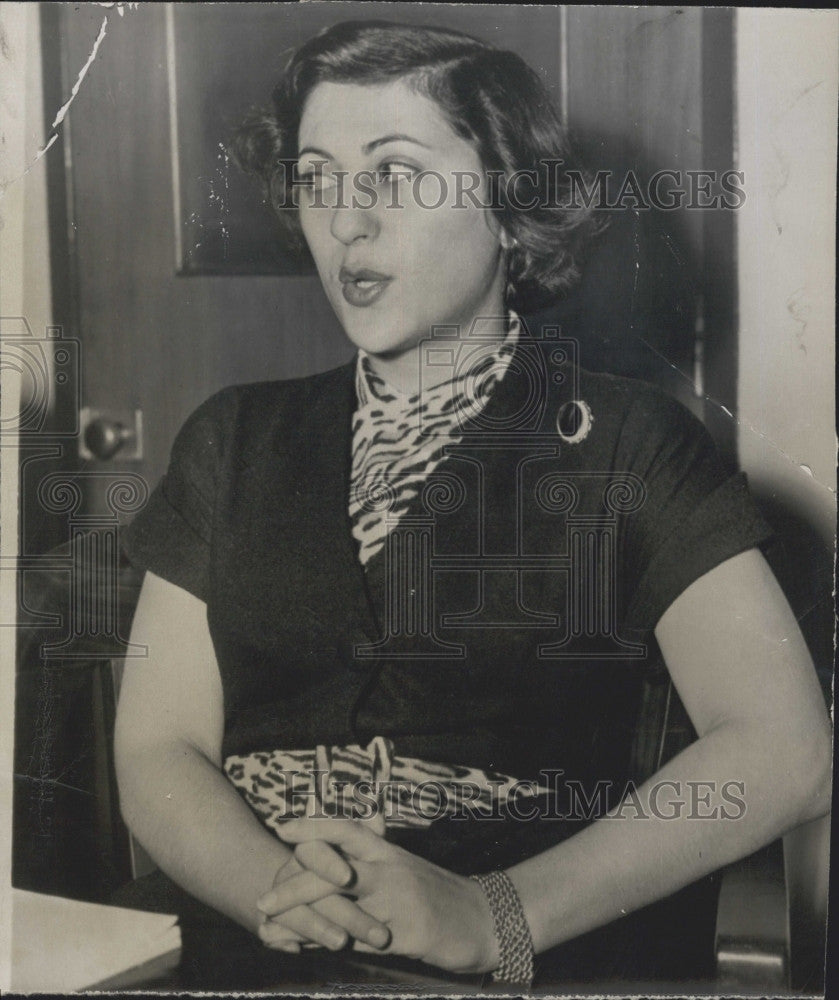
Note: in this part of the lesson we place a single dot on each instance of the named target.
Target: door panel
(153, 340)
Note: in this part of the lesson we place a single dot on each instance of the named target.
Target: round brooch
(573, 421)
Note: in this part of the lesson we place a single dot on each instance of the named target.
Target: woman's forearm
(195, 826)
(634, 855)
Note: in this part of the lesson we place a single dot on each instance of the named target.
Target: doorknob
(105, 435)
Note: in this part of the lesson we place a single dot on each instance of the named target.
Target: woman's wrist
(488, 955)
(511, 955)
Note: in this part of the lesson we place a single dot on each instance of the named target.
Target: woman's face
(393, 265)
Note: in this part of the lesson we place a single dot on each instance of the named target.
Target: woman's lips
(362, 287)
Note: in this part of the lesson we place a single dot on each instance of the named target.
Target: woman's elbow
(133, 776)
(142, 758)
(819, 788)
(808, 770)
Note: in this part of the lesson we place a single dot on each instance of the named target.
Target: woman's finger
(359, 925)
(321, 858)
(338, 910)
(280, 938)
(308, 924)
(376, 823)
(358, 841)
(288, 944)
(290, 941)
(299, 890)
(342, 912)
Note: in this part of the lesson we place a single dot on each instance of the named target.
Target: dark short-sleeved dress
(507, 621)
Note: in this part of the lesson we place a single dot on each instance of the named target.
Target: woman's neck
(423, 366)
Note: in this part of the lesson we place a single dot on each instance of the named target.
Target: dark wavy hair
(490, 97)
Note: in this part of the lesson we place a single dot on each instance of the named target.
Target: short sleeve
(172, 535)
(695, 513)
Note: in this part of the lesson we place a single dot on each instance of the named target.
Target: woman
(300, 664)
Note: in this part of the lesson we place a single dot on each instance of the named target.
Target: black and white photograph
(418, 498)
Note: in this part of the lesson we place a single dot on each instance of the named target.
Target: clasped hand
(345, 883)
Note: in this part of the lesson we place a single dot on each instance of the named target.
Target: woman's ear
(507, 241)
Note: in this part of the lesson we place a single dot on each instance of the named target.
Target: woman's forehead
(352, 117)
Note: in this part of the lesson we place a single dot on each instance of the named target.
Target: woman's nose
(352, 222)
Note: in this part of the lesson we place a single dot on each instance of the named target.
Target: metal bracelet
(515, 945)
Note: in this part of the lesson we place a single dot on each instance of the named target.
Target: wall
(786, 123)
(24, 293)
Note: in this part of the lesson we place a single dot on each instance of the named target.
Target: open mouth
(362, 287)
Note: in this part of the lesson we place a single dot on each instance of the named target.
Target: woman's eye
(316, 181)
(322, 182)
(395, 171)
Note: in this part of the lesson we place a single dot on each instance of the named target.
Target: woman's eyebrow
(316, 151)
(392, 137)
(368, 147)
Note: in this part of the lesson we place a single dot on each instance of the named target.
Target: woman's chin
(385, 342)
